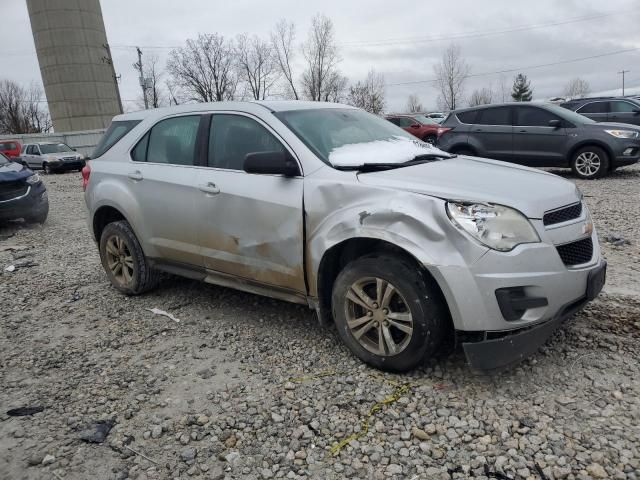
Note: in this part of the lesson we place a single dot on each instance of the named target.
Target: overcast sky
(402, 41)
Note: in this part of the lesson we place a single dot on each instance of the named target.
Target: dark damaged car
(22, 193)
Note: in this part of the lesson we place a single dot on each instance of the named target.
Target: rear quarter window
(114, 133)
(466, 117)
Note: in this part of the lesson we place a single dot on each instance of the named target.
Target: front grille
(576, 253)
(11, 190)
(563, 214)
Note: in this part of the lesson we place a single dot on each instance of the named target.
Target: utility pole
(623, 72)
(143, 83)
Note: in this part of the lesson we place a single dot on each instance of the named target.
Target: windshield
(54, 148)
(347, 137)
(7, 146)
(425, 120)
(569, 115)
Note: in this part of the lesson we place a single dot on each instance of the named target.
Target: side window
(593, 107)
(623, 107)
(171, 141)
(467, 117)
(406, 122)
(139, 152)
(533, 117)
(495, 116)
(394, 120)
(27, 150)
(232, 137)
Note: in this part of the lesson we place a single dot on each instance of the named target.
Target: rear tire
(123, 260)
(405, 319)
(590, 162)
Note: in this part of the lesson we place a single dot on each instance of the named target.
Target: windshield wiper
(374, 167)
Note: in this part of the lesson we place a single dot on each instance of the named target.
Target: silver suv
(399, 244)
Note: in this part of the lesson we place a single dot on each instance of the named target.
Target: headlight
(33, 179)
(496, 226)
(622, 133)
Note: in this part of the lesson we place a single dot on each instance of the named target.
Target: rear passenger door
(162, 178)
(622, 111)
(250, 224)
(535, 142)
(595, 110)
(492, 133)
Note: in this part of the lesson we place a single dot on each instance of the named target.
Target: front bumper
(626, 153)
(508, 348)
(35, 202)
(67, 164)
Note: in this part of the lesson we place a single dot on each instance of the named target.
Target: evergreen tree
(521, 91)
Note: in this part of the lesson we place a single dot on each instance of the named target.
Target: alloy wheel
(588, 164)
(119, 260)
(378, 316)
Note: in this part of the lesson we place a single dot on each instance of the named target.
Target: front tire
(590, 162)
(123, 260)
(387, 313)
(47, 168)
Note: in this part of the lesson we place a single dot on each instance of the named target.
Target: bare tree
(282, 39)
(154, 91)
(368, 95)
(336, 88)
(451, 73)
(413, 104)
(321, 79)
(204, 68)
(256, 64)
(22, 110)
(577, 88)
(481, 96)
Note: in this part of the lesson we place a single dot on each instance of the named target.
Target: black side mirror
(555, 123)
(74, 149)
(271, 163)
(636, 111)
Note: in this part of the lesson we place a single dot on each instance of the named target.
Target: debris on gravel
(246, 387)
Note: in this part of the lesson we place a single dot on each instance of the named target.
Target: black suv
(607, 109)
(541, 135)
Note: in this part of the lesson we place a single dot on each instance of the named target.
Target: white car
(51, 157)
(400, 244)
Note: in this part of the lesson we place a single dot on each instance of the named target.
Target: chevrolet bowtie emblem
(587, 228)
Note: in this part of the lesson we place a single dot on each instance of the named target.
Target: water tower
(75, 63)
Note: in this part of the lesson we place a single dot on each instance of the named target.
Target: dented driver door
(251, 225)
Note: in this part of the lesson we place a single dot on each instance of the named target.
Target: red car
(424, 128)
(11, 148)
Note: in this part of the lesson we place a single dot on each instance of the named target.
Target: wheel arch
(339, 255)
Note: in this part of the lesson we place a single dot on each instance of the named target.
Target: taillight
(443, 130)
(86, 173)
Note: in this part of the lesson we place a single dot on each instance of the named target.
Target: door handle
(135, 176)
(210, 188)
(478, 130)
(522, 131)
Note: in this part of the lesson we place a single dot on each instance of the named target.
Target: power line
(486, 33)
(530, 67)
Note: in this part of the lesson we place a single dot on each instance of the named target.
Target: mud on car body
(398, 243)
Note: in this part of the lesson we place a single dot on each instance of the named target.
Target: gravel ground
(248, 387)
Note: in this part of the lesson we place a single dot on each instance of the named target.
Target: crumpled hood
(12, 171)
(474, 179)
